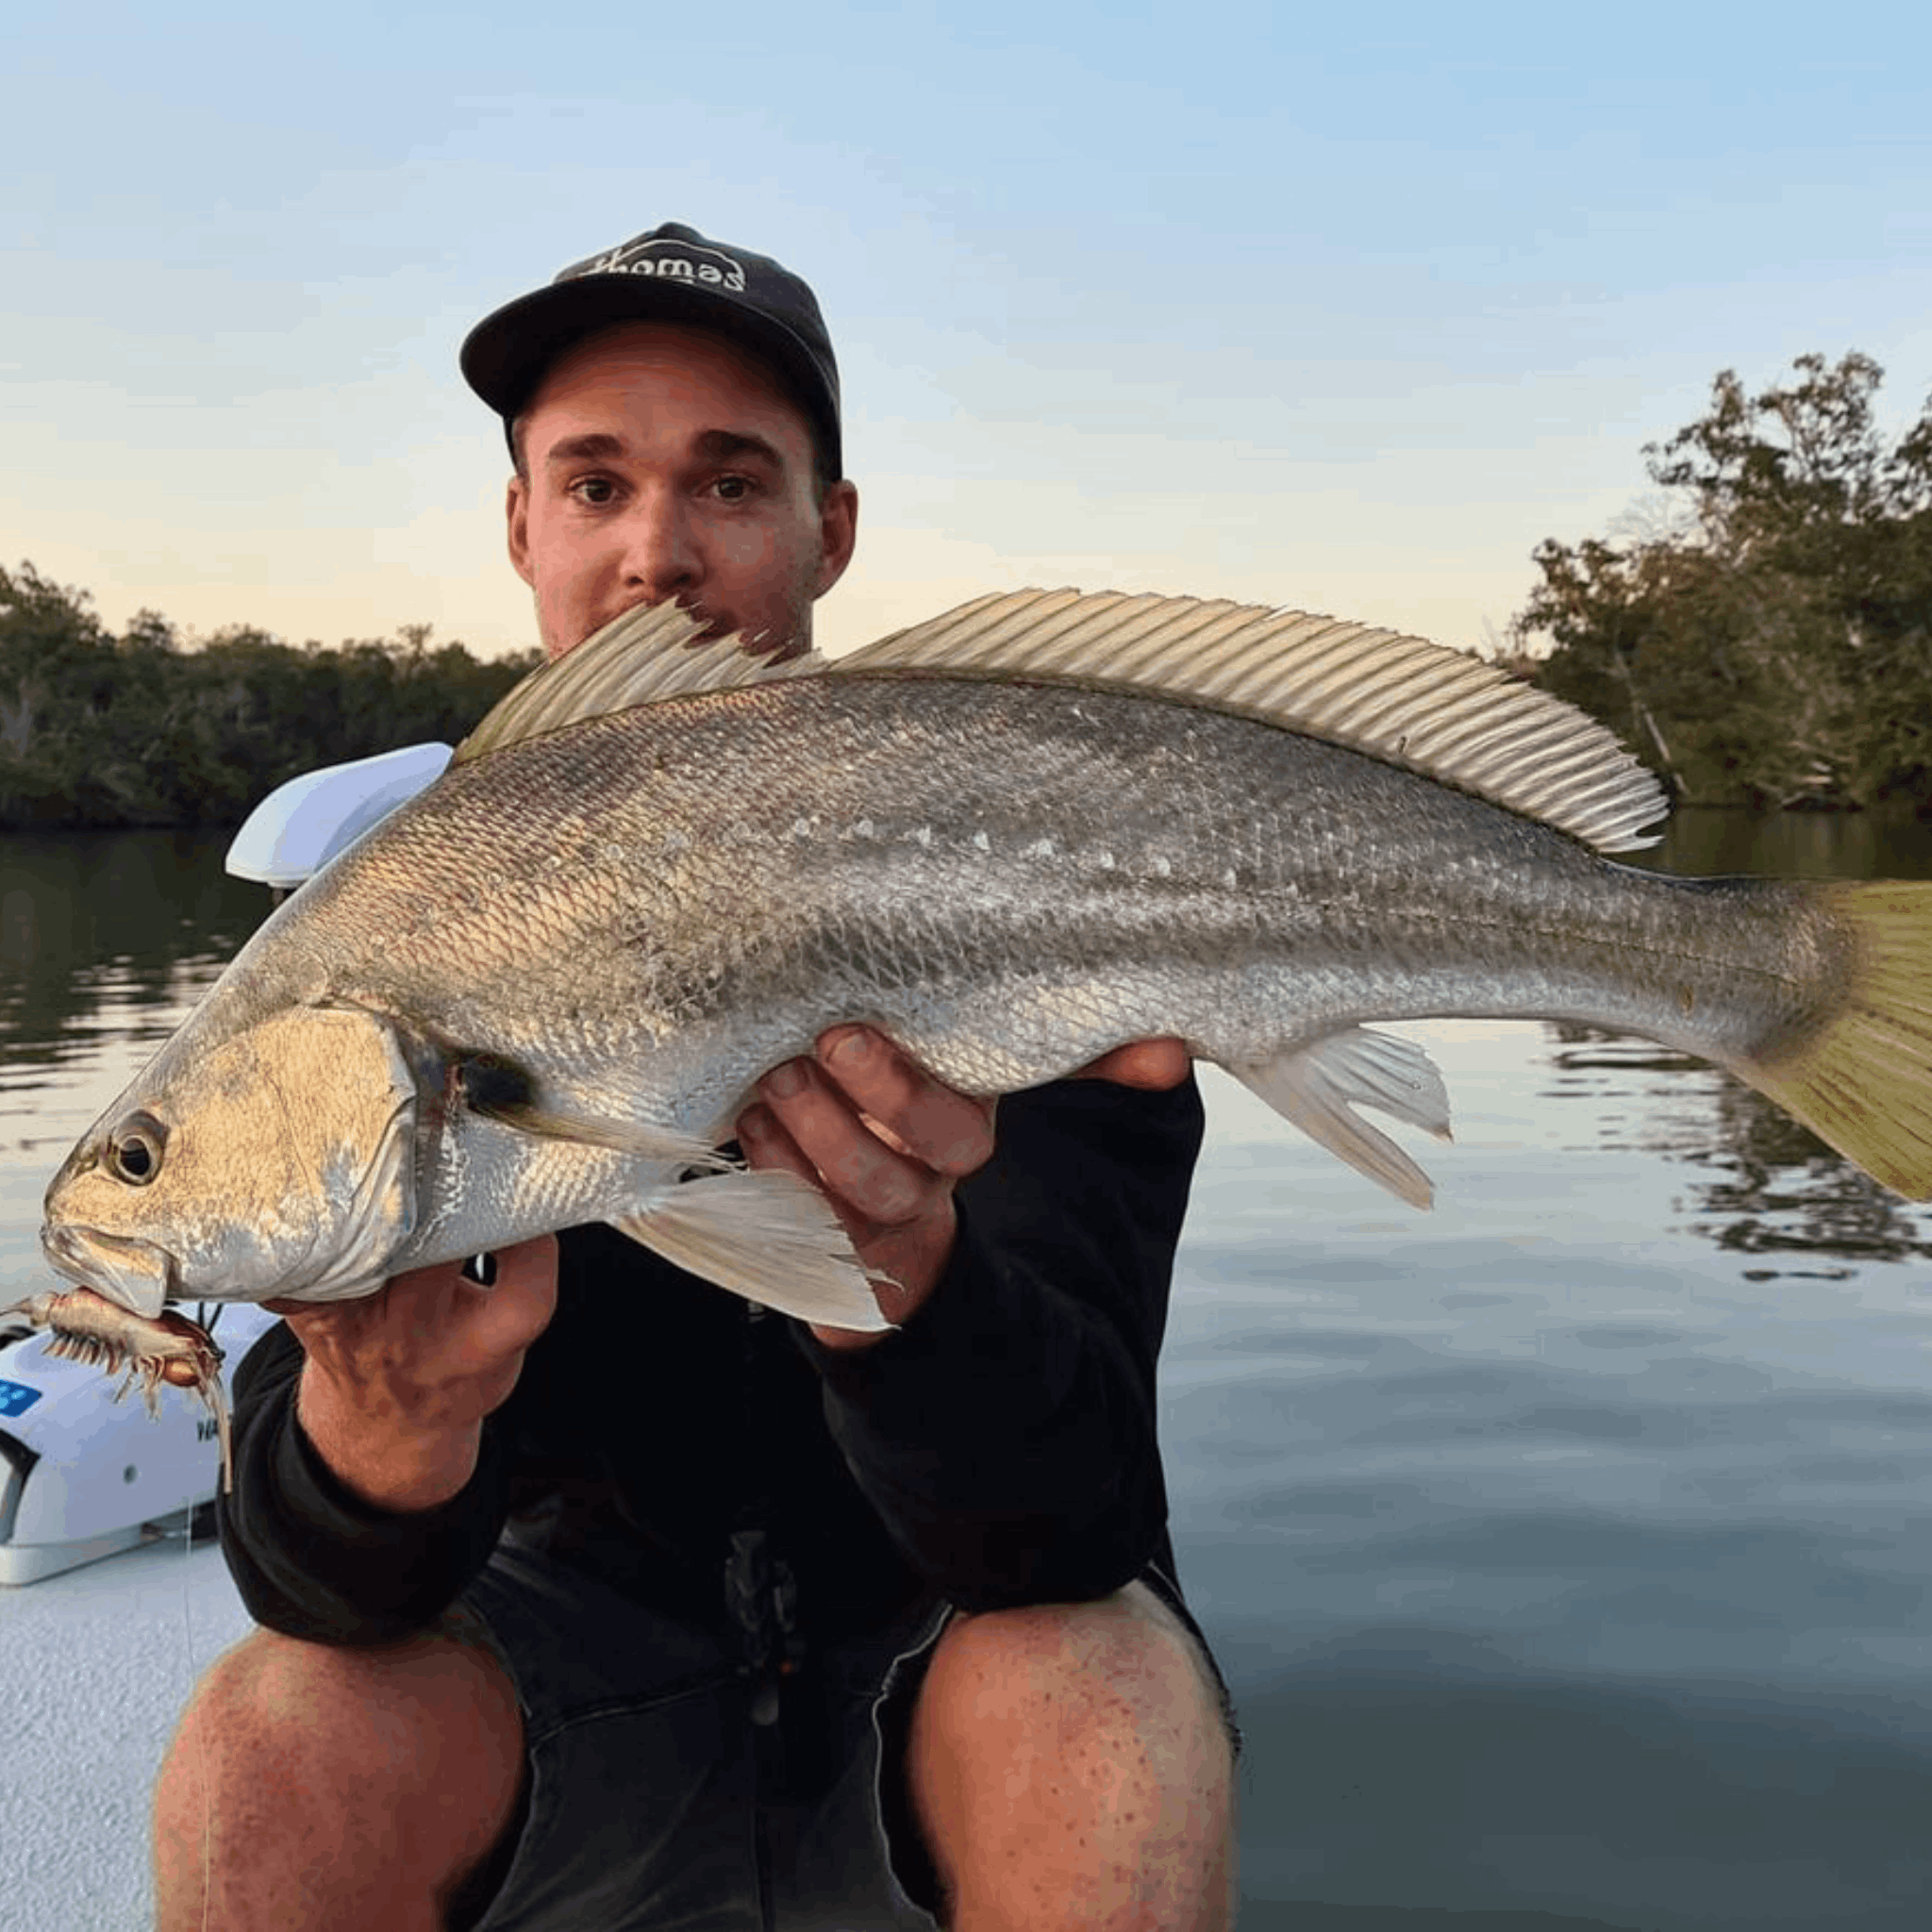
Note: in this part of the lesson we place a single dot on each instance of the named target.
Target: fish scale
(1366, 889)
(540, 991)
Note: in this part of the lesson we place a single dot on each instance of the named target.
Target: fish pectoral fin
(766, 1235)
(497, 1090)
(1318, 1086)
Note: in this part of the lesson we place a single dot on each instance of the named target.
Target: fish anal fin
(1317, 1087)
(764, 1235)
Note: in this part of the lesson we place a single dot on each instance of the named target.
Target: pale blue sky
(1344, 308)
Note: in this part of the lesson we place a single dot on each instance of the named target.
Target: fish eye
(134, 1149)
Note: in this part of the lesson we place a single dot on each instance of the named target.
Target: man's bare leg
(313, 1787)
(1071, 1768)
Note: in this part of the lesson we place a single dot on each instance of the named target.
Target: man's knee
(376, 1717)
(1078, 1745)
(408, 1758)
(1123, 1668)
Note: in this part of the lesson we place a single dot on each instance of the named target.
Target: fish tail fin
(1862, 1078)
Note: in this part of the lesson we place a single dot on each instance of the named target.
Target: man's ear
(838, 535)
(516, 515)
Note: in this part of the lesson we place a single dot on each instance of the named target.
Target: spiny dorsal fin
(642, 657)
(1436, 711)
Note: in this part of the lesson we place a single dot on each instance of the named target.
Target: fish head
(277, 1160)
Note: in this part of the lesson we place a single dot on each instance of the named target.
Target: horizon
(1262, 308)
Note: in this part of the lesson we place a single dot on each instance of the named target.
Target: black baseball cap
(669, 274)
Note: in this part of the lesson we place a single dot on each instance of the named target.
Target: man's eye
(593, 491)
(734, 489)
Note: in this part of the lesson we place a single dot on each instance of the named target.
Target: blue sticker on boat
(16, 1398)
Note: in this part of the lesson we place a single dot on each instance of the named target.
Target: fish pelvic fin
(767, 1236)
(1862, 1079)
(1439, 712)
(652, 653)
(1318, 1086)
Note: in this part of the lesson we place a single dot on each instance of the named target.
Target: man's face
(663, 464)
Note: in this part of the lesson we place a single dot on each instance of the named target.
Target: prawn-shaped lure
(167, 1347)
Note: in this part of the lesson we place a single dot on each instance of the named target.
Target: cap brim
(505, 355)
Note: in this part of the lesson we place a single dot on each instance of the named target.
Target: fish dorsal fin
(1439, 712)
(647, 655)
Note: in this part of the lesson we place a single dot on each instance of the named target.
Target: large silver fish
(1014, 837)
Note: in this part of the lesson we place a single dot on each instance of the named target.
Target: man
(594, 1598)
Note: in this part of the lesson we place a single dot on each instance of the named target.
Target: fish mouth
(134, 1274)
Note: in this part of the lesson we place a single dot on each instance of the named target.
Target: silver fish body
(1010, 880)
(540, 993)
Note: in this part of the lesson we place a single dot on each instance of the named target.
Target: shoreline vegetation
(147, 729)
(1758, 632)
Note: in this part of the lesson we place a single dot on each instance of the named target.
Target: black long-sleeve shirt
(998, 1450)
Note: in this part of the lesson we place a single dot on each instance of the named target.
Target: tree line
(145, 728)
(1768, 640)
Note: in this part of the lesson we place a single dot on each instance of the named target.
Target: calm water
(1569, 1548)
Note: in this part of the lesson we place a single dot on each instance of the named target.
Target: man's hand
(1153, 1064)
(887, 1143)
(396, 1384)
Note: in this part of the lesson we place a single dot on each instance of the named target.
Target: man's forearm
(313, 1559)
(388, 1460)
(1007, 1434)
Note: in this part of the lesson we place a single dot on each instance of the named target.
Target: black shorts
(653, 1800)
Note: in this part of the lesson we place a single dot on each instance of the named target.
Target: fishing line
(207, 1319)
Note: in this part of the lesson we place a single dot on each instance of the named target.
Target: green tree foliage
(1774, 643)
(143, 730)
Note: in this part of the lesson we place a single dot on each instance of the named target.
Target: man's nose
(663, 555)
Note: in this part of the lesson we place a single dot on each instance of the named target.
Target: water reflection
(108, 930)
(1765, 1184)
(1761, 1183)
(1707, 842)
(1568, 1549)
(1547, 1806)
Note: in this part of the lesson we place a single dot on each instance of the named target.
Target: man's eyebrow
(727, 446)
(714, 445)
(594, 445)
